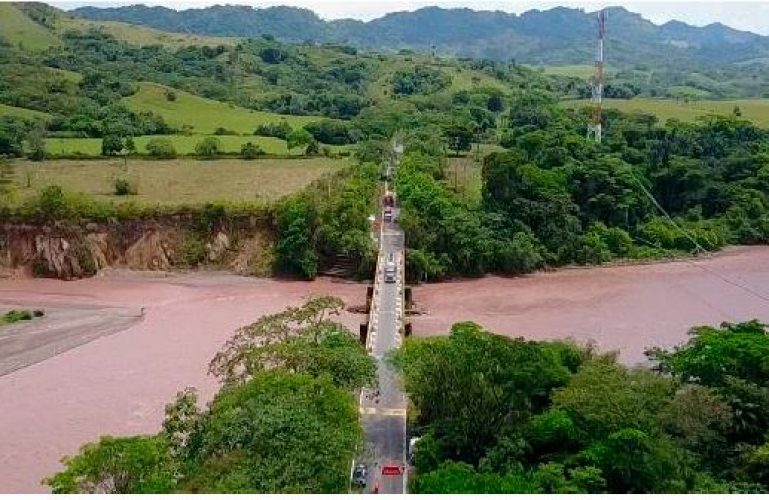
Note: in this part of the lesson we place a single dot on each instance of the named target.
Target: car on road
(360, 475)
(389, 272)
(388, 214)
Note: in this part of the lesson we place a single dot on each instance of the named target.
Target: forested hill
(557, 36)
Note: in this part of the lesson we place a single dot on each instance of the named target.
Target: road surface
(384, 414)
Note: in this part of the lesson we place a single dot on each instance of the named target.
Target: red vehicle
(392, 470)
(389, 200)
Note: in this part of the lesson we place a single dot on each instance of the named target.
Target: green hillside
(18, 29)
(204, 115)
(17, 25)
(6, 110)
(575, 70)
(139, 35)
(755, 110)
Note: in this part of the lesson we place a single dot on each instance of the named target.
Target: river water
(119, 383)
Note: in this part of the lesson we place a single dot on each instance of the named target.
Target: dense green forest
(501, 415)
(553, 197)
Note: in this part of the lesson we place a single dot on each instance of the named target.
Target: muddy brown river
(99, 364)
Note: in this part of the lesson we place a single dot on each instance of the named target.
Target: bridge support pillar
(363, 334)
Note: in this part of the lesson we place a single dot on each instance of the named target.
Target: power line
(723, 278)
(665, 213)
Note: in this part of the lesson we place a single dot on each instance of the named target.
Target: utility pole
(594, 129)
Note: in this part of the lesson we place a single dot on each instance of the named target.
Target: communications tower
(594, 129)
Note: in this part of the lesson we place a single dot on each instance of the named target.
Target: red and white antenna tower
(594, 129)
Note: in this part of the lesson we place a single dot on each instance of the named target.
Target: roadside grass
(17, 28)
(30, 114)
(204, 115)
(174, 182)
(755, 110)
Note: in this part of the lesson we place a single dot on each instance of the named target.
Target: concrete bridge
(384, 412)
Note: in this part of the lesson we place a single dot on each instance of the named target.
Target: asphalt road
(384, 415)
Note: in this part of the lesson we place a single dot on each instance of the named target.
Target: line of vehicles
(390, 270)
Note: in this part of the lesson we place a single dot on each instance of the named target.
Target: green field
(755, 110)
(17, 28)
(468, 79)
(30, 114)
(204, 115)
(174, 182)
(575, 70)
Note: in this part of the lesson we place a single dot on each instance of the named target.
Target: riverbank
(118, 382)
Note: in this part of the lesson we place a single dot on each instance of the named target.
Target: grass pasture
(29, 114)
(755, 110)
(204, 115)
(17, 28)
(575, 70)
(174, 182)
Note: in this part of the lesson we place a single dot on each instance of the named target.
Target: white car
(359, 475)
(389, 272)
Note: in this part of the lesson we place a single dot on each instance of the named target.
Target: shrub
(191, 252)
(13, 316)
(52, 203)
(38, 313)
(312, 148)
(111, 145)
(161, 148)
(40, 268)
(330, 131)
(280, 130)
(224, 131)
(170, 95)
(208, 147)
(249, 151)
(124, 187)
